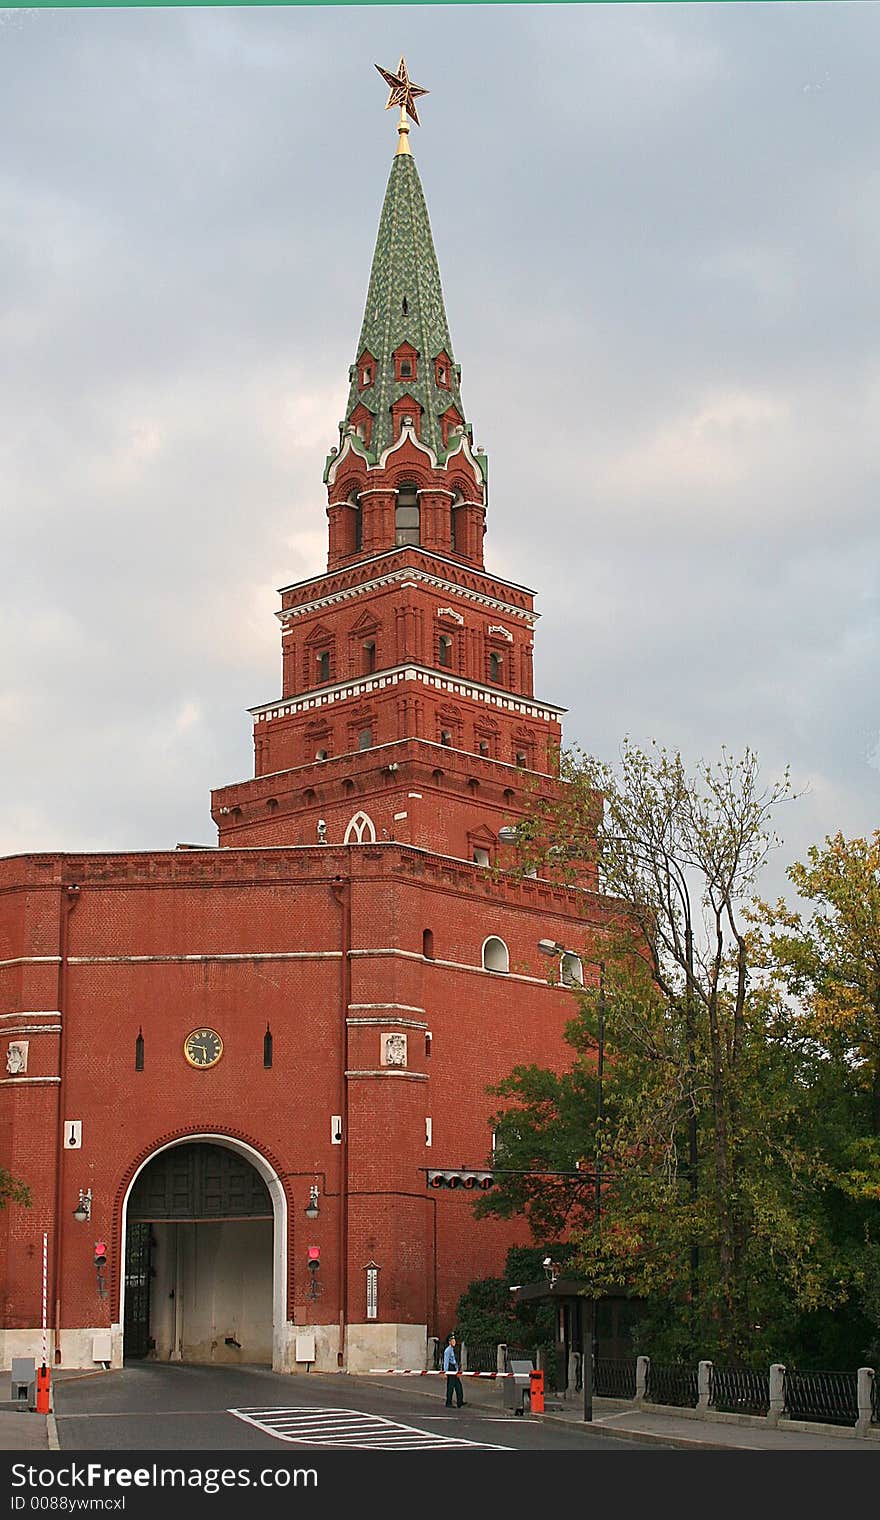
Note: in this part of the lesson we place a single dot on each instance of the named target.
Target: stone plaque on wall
(394, 1050)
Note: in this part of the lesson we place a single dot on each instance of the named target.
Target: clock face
(203, 1047)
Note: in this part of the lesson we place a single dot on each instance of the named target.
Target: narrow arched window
(361, 830)
(428, 944)
(407, 516)
(571, 970)
(357, 537)
(365, 738)
(445, 649)
(139, 1051)
(267, 1047)
(495, 955)
(323, 665)
(453, 522)
(369, 657)
(445, 736)
(496, 666)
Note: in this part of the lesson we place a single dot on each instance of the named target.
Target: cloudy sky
(659, 233)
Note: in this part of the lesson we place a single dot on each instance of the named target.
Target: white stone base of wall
(326, 1345)
(396, 1347)
(399, 1348)
(81, 1349)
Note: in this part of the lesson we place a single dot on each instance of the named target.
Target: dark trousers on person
(453, 1386)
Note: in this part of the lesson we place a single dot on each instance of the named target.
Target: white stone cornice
(406, 433)
(395, 577)
(432, 554)
(351, 445)
(366, 686)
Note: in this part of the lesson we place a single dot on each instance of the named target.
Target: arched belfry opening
(204, 1255)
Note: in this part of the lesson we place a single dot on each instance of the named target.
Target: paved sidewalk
(672, 1428)
(20, 1431)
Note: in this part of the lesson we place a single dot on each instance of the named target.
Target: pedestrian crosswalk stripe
(308, 1426)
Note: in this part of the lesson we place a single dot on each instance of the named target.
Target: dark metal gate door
(136, 1336)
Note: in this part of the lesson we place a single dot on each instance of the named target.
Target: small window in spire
(405, 307)
(405, 369)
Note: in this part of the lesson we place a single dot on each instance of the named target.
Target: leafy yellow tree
(831, 957)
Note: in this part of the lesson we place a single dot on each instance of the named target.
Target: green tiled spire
(405, 305)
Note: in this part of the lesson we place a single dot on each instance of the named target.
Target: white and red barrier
(423, 1372)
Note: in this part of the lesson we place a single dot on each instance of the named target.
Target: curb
(614, 1432)
(52, 1433)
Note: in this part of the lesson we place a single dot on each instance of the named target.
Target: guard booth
(617, 1315)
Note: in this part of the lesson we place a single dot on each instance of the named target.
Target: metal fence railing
(831, 1397)
(482, 1358)
(671, 1385)
(614, 1378)
(737, 1390)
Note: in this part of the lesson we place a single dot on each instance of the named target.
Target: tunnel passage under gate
(198, 1259)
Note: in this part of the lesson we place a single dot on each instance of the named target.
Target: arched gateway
(204, 1224)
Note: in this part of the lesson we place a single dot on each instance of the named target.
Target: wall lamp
(312, 1205)
(550, 947)
(83, 1210)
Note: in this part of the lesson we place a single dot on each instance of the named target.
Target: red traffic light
(314, 1253)
(100, 1254)
(463, 1178)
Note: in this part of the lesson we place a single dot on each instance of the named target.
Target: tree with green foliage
(13, 1191)
(709, 1145)
(827, 962)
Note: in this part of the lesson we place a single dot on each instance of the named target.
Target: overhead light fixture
(508, 834)
(83, 1210)
(550, 947)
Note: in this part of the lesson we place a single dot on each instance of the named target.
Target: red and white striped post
(42, 1404)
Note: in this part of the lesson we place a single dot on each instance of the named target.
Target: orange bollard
(43, 1389)
(536, 1392)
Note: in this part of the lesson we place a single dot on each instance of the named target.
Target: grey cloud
(659, 237)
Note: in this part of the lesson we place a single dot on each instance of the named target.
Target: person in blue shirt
(453, 1381)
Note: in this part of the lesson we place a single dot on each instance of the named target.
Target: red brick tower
(407, 708)
(238, 1053)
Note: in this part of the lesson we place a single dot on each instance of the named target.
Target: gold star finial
(402, 92)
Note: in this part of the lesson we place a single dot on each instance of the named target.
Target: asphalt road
(153, 1407)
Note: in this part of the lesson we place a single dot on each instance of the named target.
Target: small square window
(481, 857)
(365, 738)
(405, 368)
